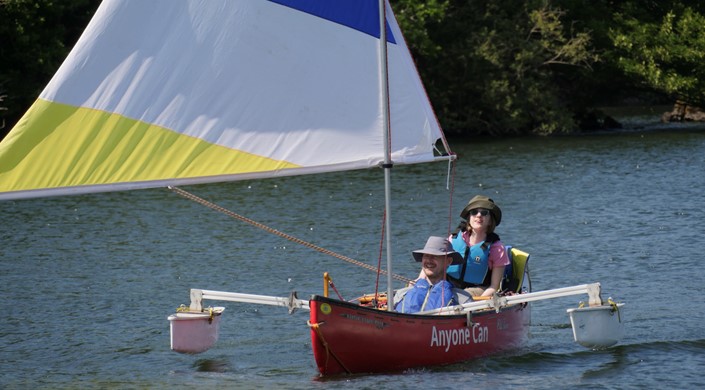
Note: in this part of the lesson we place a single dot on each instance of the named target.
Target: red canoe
(349, 338)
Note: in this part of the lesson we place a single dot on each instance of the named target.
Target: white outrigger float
(168, 93)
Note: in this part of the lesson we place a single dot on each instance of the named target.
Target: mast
(387, 165)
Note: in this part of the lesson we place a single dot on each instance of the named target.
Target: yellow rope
(229, 213)
(329, 353)
(615, 308)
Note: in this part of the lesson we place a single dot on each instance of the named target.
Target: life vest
(474, 270)
(423, 296)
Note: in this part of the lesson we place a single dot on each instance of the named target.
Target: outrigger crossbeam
(291, 302)
(497, 302)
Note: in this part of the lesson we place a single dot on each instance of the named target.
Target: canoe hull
(348, 338)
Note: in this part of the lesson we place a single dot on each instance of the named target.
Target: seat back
(514, 273)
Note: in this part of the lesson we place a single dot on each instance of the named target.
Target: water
(88, 281)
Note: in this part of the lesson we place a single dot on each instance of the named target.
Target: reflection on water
(616, 360)
(211, 365)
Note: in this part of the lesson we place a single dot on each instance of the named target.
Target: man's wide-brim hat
(438, 246)
(483, 202)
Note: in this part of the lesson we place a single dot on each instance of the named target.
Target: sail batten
(202, 91)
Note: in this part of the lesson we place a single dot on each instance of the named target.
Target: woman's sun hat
(483, 202)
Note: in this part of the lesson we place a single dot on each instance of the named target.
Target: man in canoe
(431, 291)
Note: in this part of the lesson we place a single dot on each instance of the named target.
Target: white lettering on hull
(480, 334)
(453, 337)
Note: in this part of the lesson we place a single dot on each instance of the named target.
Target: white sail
(166, 92)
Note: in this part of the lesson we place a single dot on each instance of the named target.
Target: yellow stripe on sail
(57, 145)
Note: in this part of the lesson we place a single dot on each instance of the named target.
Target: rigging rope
(450, 185)
(266, 228)
(379, 257)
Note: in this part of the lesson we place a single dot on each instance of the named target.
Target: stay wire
(213, 206)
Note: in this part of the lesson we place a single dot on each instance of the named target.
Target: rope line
(316, 328)
(381, 249)
(330, 282)
(266, 228)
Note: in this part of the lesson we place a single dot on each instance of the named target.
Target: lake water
(87, 282)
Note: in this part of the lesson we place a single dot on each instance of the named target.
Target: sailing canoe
(349, 338)
(161, 93)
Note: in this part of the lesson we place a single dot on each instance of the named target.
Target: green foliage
(667, 54)
(415, 16)
(35, 35)
(494, 66)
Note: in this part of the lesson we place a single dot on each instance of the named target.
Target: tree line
(490, 67)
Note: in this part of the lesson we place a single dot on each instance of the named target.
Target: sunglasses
(482, 212)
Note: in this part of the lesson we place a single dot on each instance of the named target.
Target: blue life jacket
(423, 296)
(474, 270)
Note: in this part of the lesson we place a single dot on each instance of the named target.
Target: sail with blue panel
(161, 92)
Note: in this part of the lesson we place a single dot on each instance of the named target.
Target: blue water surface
(87, 282)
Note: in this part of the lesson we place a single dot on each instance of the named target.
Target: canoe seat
(514, 273)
